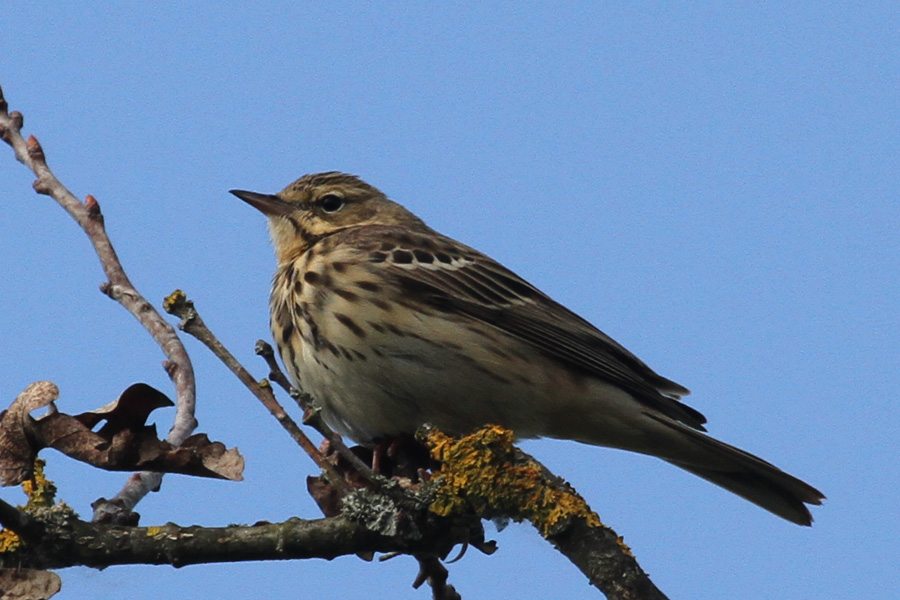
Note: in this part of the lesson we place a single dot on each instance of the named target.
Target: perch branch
(485, 474)
(71, 542)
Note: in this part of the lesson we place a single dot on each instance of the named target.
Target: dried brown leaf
(129, 411)
(224, 462)
(325, 495)
(17, 453)
(28, 584)
(123, 443)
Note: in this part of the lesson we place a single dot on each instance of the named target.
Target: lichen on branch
(482, 472)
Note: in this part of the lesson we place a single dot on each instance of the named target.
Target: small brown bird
(390, 325)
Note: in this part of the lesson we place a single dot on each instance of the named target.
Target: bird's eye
(331, 203)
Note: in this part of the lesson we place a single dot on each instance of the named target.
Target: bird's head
(318, 205)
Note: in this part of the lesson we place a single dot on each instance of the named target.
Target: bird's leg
(379, 453)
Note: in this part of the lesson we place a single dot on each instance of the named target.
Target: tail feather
(761, 489)
(739, 472)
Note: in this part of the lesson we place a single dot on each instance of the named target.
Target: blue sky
(714, 185)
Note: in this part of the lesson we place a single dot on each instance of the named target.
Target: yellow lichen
(477, 472)
(172, 300)
(153, 531)
(41, 493)
(9, 541)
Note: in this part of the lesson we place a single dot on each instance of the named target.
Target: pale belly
(378, 382)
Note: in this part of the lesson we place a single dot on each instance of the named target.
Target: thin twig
(312, 415)
(119, 288)
(177, 304)
(431, 570)
(265, 350)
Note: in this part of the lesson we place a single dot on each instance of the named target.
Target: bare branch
(178, 304)
(68, 542)
(20, 522)
(312, 415)
(118, 287)
(431, 570)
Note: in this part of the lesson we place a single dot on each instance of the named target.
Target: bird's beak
(269, 205)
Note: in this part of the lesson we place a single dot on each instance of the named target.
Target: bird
(390, 325)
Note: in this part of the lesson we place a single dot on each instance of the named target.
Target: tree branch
(484, 473)
(19, 522)
(482, 476)
(119, 288)
(72, 542)
(179, 305)
(312, 414)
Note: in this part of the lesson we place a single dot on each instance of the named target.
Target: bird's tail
(735, 470)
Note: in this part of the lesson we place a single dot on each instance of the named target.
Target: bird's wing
(448, 276)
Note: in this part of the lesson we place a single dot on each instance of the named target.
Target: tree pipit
(390, 325)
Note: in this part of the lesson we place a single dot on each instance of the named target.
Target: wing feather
(475, 286)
